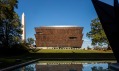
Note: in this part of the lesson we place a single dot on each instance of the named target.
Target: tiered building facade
(59, 36)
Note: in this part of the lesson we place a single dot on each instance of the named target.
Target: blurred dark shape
(109, 18)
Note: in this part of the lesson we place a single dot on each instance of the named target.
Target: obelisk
(23, 27)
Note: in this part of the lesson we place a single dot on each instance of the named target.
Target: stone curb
(19, 65)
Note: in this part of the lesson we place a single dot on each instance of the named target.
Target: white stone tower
(23, 27)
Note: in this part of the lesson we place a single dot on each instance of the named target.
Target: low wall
(56, 48)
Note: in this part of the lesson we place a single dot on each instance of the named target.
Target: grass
(112, 61)
(71, 51)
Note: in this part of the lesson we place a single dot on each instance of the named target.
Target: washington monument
(23, 27)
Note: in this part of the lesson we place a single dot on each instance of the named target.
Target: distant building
(59, 36)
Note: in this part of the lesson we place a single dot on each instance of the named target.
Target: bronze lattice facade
(59, 36)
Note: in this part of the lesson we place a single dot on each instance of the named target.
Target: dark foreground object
(109, 18)
(114, 66)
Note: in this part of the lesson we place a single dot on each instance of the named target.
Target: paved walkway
(19, 65)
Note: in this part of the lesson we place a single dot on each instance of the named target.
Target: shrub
(14, 50)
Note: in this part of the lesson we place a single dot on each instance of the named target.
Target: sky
(58, 12)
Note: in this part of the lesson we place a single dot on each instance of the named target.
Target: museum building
(58, 37)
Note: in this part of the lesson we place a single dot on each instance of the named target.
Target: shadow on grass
(74, 56)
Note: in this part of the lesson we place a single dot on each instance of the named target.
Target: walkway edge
(19, 65)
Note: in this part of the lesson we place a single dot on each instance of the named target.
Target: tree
(97, 33)
(10, 26)
(88, 48)
(30, 41)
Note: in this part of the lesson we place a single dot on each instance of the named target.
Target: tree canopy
(30, 41)
(97, 33)
(10, 26)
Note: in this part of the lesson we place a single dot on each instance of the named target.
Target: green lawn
(72, 51)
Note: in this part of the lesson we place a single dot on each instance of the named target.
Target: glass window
(72, 37)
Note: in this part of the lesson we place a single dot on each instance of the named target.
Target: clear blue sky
(58, 12)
